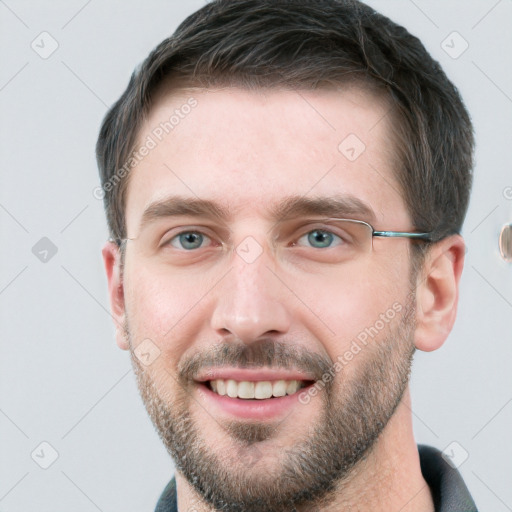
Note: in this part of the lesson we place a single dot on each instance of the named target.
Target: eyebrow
(175, 206)
(292, 207)
(341, 206)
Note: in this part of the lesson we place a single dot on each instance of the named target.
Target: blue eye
(320, 239)
(189, 240)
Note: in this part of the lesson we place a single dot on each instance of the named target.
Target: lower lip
(265, 409)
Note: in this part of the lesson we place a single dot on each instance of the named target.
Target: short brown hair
(309, 44)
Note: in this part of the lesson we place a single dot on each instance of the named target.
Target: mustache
(264, 353)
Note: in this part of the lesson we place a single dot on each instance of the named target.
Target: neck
(388, 477)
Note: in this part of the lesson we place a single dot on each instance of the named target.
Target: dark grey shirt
(449, 492)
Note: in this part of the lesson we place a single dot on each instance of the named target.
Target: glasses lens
(357, 235)
(327, 240)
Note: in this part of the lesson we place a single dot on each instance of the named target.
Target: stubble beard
(309, 474)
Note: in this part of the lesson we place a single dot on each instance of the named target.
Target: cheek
(161, 309)
(348, 308)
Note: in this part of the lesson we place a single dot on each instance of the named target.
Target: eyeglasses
(328, 240)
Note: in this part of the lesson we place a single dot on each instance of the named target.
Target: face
(268, 341)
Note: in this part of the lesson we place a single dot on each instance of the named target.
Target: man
(285, 183)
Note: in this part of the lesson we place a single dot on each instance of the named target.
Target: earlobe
(437, 293)
(112, 261)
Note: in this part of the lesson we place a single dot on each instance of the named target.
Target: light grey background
(63, 379)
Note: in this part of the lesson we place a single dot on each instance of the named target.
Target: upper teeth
(260, 390)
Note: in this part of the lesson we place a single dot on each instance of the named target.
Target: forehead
(249, 151)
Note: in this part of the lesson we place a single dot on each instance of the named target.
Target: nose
(251, 302)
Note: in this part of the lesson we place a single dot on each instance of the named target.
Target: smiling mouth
(256, 390)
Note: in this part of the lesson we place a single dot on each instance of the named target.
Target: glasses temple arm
(403, 234)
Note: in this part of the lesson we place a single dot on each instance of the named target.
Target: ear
(112, 261)
(437, 292)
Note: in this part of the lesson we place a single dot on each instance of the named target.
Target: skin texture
(248, 152)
